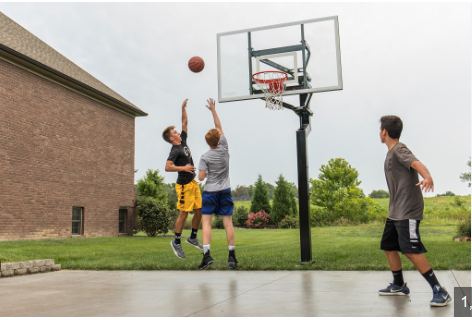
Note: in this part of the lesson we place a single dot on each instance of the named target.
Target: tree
(152, 185)
(447, 194)
(379, 194)
(336, 183)
(260, 199)
(465, 177)
(169, 188)
(282, 204)
(154, 213)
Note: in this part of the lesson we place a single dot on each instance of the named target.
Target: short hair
(393, 125)
(213, 137)
(167, 133)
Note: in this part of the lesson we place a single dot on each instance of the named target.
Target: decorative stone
(14, 265)
(49, 262)
(44, 268)
(38, 263)
(8, 273)
(20, 272)
(32, 270)
(56, 267)
(26, 264)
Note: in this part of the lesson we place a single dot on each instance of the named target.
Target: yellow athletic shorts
(189, 197)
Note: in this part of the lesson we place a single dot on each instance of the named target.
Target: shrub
(258, 220)
(379, 194)
(463, 227)
(349, 211)
(154, 216)
(240, 216)
(289, 222)
(218, 222)
(458, 202)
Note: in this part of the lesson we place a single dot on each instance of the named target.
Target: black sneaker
(206, 261)
(232, 262)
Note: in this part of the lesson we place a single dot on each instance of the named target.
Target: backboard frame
(339, 85)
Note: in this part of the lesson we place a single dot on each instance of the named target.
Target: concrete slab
(220, 293)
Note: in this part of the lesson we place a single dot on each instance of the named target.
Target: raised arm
(212, 108)
(427, 183)
(184, 116)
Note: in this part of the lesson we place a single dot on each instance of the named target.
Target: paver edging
(10, 269)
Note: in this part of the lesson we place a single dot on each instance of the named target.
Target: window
(77, 220)
(123, 213)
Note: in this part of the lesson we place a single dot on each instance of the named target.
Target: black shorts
(403, 236)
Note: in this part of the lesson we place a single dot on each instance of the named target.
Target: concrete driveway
(221, 293)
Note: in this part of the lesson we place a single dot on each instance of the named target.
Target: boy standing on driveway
(405, 212)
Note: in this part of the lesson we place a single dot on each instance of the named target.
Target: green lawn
(334, 248)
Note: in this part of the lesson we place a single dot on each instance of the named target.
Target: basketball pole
(304, 113)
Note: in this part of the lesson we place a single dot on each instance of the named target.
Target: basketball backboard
(307, 50)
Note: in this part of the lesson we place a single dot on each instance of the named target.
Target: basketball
(196, 64)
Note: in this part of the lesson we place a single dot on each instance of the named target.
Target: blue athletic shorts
(218, 202)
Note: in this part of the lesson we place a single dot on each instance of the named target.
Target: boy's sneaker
(177, 250)
(440, 297)
(195, 243)
(395, 290)
(232, 262)
(206, 261)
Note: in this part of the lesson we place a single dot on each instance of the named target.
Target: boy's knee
(183, 214)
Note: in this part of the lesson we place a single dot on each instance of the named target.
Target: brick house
(66, 145)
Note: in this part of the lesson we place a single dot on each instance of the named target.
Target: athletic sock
(193, 235)
(206, 248)
(398, 277)
(177, 238)
(431, 278)
(231, 248)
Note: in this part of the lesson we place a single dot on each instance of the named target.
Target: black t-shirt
(181, 156)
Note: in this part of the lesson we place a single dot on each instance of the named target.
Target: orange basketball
(196, 64)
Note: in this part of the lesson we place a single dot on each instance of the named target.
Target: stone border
(10, 269)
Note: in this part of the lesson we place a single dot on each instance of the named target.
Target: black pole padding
(303, 196)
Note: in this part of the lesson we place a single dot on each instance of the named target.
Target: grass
(334, 248)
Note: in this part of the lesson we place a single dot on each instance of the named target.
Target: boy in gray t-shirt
(216, 198)
(405, 212)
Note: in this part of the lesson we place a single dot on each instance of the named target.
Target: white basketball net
(272, 84)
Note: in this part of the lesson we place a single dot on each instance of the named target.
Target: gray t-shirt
(406, 199)
(216, 163)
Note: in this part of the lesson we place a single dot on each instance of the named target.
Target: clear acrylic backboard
(308, 51)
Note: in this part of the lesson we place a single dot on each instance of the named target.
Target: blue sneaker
(440, 297)
(394, 290)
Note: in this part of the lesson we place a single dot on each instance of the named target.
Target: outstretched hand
(185, 103)
(426, 185)
(211, 103)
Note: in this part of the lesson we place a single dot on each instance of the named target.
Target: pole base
(306, 262)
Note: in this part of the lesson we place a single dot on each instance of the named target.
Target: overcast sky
(410, 60)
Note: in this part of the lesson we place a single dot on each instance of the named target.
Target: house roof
(19, 42)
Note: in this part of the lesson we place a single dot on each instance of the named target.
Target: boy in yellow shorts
(188, 193)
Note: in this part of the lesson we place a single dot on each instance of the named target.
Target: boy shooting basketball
(214, 165)
(406, 206)
(188, 193)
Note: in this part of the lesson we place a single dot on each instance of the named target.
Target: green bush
(458, 202)
(289, 222)
(463, 227)
(154, 216)
(349, 211)
(240, 216)
(218, 222)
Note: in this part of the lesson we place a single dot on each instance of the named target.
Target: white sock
(206, 248)
(231, 248)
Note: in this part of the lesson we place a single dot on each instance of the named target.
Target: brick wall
(60, 149)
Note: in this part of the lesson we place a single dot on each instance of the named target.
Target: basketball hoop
(272, 84)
